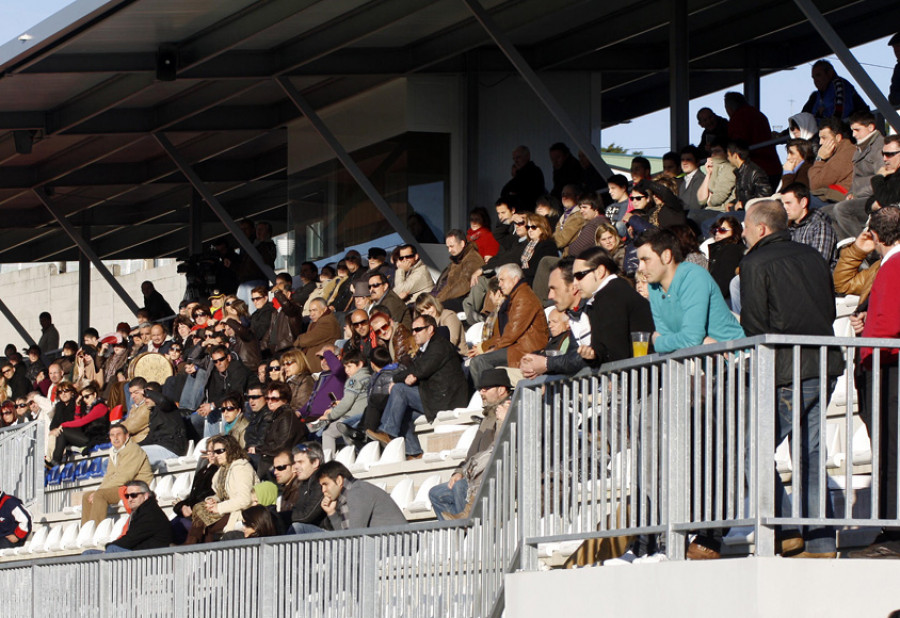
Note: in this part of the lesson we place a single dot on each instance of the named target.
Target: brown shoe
(789, 546)
(380, 436)
(413, 457)
(462, 515)
(696, 551)
(808, 554)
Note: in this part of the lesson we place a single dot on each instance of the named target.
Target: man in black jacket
(226, 375)
(614, 309)
(433, 382)
(786, 287)
(149, 527)
(750, 179)
(307, 514)
(167, 436)
(527, 183)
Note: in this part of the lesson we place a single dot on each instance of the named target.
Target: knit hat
(266, 493)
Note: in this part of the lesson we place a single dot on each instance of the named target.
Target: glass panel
(330, 214)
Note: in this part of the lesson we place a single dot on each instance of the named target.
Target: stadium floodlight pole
(214, 204)
(537, 85)
(833, 40)
(86, 249)
(16, 324)
(350, 165)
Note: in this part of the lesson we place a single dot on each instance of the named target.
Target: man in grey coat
(351, 503)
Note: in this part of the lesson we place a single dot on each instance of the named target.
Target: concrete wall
(737, 588)
(30, 291)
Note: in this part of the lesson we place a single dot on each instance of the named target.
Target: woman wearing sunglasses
(235, 423)
(298, 376)
(540, 245)
(233, 484)
(726, 252)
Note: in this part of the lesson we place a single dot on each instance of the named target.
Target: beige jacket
(414, 283)
(130, 463)
(238, 485)
(138, 421)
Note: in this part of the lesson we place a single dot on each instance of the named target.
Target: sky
(783, 94)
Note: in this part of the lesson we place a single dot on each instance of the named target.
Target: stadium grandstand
(329, 351)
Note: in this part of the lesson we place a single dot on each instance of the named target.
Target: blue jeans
(403, 406)
(819, 539)
(158, 454)
(445, 499)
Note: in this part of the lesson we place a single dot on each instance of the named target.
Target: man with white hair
(521, 326)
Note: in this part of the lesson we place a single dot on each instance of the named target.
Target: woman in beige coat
(233, 484)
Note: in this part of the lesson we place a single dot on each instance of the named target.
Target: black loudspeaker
(167, 63)
(23, 140)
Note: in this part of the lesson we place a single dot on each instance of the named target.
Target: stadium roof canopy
(81, 101)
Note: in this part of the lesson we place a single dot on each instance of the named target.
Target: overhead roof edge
(56, 29)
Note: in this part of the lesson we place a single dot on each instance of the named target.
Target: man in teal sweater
(688, 310)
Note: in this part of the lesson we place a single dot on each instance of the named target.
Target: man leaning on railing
(786, 288)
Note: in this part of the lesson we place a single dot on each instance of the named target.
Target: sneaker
(316, 425)
(652, 559)
(623, 560)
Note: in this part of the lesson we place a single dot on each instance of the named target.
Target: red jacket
(883, 318)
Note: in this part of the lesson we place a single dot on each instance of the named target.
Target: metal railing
(686, 443)
(22, 464)
(663, 446)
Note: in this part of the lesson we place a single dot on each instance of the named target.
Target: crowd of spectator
(555, 286)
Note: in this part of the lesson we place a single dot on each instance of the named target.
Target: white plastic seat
(194, 455)
(86, 535)
(38, 541)
(102, 532)
(164, 487)
(473, 333)
(783, 457)
(422, 503)
(118, 528)
(54, 539)
(346, 456)
(367, 457)
(464, 442)
(403, 493)
(328, 454)
(704, 246)
(181, 487)
(394, 452)
(475, 402)
(70, 536)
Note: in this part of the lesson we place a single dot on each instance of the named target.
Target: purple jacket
(331, 381)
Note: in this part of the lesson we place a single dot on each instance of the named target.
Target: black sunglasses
(418, 329)
(134, 495)
(281, 468)
(219, 451)
(638, 197)
(231, 408)
(581, 274)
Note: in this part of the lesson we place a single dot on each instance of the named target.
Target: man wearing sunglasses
(288, 483)
(433, 382)
(148, 526)
(380, 293)
(412, 278)
(886, 181)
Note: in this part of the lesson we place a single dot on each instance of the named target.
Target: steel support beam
(581, 140)
(86, 249)
(12, 319)
(214, 204)
(679, 76)
(358, 175)
(752, 75)
(84, 285)
(844, 54)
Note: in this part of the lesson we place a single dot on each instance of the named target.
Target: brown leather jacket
(454, 281)
(848, 279)
(526, 327)
(403, 345)
(324, 331)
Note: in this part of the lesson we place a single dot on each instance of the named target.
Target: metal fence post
(268, 571)
(676, 440)
(762, 460)
(369, 578)
(180, 575)
(529, 464)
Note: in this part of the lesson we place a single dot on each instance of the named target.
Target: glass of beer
(640, 343)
